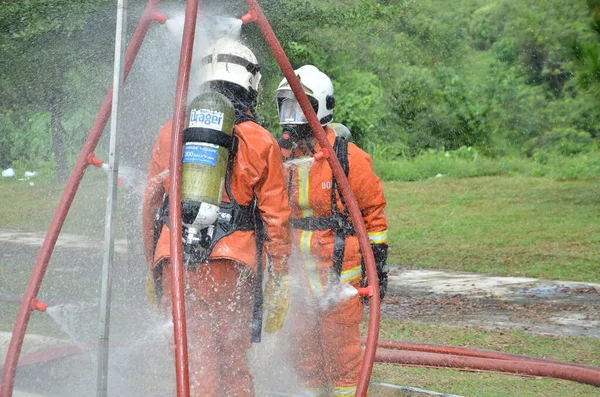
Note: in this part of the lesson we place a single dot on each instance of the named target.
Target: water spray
(41, 264)
(98, 163)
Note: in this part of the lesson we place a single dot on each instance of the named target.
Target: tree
(41, 42)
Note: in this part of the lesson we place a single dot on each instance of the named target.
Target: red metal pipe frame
(64, 205)
(532, 368)
(175, 223)
(351, 203)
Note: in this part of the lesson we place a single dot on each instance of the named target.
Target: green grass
(466, 162)
(569, 349)
(27, 207)
(517, 226)
(514, 226)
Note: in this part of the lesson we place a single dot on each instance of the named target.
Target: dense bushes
(467, 162)
(511, 78)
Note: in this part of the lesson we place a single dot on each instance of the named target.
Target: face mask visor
(290, 111)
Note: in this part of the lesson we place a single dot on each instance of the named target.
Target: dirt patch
(469, 299)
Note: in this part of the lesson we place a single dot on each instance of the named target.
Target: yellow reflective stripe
(314, 279)
(378, 237)
(313, 392)
(303, 190)
(351, 274)
(344, 390)
(311, 266)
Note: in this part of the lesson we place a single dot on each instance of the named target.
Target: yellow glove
(151, 296)
(277, 301)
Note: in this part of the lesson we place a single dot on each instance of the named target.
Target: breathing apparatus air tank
(341, 130)
(206, 139)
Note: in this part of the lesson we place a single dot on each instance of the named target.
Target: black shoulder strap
(232, 152)
(340, 147)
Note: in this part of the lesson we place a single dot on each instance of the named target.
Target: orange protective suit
(329, 348)
(219, 294)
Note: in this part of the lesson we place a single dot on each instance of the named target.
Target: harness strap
(324, 223)
(252, 68)
(206, 135)
(242, 218)
(340, 147)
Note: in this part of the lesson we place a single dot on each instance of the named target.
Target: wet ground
(467, 299)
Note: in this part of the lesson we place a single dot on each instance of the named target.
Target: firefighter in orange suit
(327, 340)
(219, 292)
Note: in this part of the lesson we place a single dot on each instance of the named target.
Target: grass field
(514, 226)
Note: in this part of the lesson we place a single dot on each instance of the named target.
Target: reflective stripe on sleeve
(351, 274)
(378, 237)
(344, 391)
(313, 392)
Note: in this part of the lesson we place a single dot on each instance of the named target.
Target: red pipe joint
(249, 17)
(367, 291)
(156, 16)
(321, 154)
(38, 305)
(93, 160)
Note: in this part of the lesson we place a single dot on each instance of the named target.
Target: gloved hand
(277, 301)
(380, 254)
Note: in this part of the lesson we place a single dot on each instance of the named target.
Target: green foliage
(27, 19)
(467, 162)
(504, 77)
(361, 103)
(487, 24)
(31, 145)
(564, 141)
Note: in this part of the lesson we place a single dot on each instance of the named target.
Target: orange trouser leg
(340, 334)
(306, 349)
(329, 350)
(218, 309)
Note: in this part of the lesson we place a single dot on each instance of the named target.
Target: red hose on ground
(532, 368)
(464, 351)
(64, 205)
(351, 204)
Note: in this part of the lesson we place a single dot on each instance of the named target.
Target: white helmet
(230, 61)
(318, 88)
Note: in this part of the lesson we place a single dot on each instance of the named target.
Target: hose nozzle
(37, 305)
(249, 17)
(156, 16)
